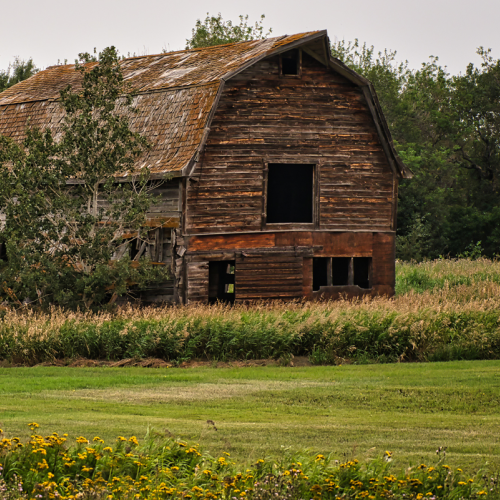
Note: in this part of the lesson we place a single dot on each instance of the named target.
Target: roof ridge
(196, 49)
(183, 68)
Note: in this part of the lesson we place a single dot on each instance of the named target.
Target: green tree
(65, 212)
(17, 72)
(215, 31)
(447, 130)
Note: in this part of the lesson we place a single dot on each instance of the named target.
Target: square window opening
(221, 281)
(341, 271)
(290, 193)
(361, 271)
(290, 63)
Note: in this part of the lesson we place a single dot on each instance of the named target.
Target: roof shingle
(175, 93)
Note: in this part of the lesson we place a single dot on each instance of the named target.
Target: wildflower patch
(159, 467)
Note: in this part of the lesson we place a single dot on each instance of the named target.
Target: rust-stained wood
(206, 243)
(165, 222)
(275, 277)
(307, 277)
(384, 262)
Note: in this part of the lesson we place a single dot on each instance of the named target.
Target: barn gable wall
(320, 118)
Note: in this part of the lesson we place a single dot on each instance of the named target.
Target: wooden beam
(350, 275)
(314, 55)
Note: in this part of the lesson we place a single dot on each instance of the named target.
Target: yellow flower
(81, 440)
(133, 440)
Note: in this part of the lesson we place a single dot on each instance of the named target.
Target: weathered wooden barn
(280, 178)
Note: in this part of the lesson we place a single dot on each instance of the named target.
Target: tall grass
(444, 310)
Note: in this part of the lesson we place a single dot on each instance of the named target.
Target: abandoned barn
(276, 170)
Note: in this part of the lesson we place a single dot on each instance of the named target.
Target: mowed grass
(350, 411)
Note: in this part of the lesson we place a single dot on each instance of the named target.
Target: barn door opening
(221, 281)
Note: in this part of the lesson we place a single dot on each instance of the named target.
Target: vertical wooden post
(329, 272)
(316, 195)
(350, 275)
(160, 244)
(265, 173)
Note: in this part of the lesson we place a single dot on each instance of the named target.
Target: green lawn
(352, 411)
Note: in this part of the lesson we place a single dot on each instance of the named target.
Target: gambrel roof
(176, 95)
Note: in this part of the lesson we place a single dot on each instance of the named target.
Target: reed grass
(444, 310)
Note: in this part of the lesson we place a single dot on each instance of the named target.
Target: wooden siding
(280, 265)
(268, 277)
(320, 118)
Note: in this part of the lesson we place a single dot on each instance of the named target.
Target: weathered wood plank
(321, 115)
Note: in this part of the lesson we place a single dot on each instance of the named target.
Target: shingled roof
(175, 97)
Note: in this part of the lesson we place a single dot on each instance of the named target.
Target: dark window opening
(290, 193)
(221, 281)
(290, 63)
(133, 247)
(320, 272)
(341, 271)
(3, 252)
(361, 271)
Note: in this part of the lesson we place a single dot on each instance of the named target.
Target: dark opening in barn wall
(290, 193)
(361, 271)
(221, 281)
(3, 252)
(320, 272)
(341, 271)
(290, 63)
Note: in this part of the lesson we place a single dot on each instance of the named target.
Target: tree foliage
(215, 31)
(65, 211)
(18, 71)
(447, 130)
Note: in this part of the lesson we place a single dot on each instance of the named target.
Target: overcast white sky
(48, 30)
